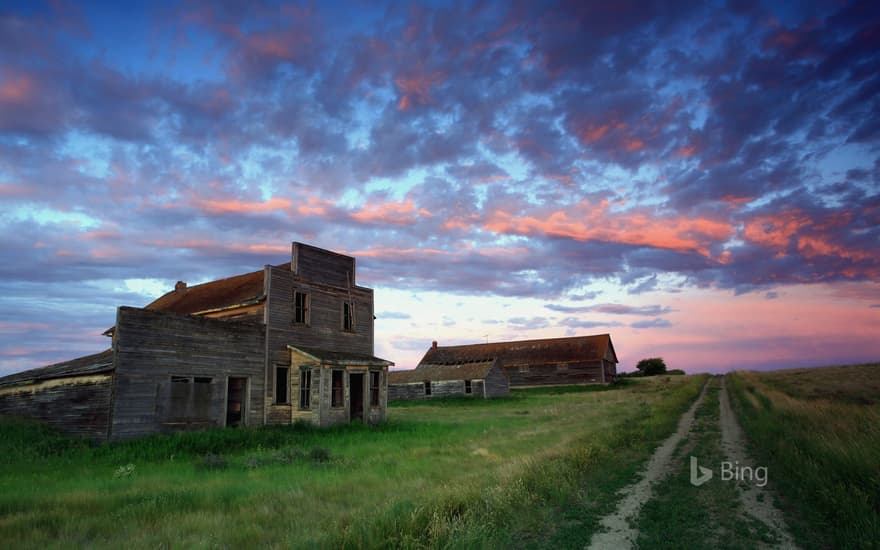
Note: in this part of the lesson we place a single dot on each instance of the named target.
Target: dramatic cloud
(561, 152)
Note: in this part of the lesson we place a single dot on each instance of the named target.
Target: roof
(90, 364)
(341, 357)
(525, 352)
(228, 292)
(476, 370)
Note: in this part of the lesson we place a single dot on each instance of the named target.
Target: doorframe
(364, 404)
(245, 405)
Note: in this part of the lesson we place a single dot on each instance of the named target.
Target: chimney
(180, 287)
(434, 344)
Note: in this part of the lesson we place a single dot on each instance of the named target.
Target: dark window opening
(180, 379)
(467, 386)
(305, 389)
(427, 387)
(336, 385)
(347, 316)
(301, 308)
(282, 383)
(374, 389)
(202, 380)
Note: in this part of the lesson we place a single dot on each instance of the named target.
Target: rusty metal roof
(341, 357)
(90, 364)
(525, 352)
(475, 370)
(228, 292)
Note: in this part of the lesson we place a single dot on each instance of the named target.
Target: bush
(652, 366)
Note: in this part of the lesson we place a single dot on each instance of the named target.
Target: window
(300, 308)
(467, 386)
(427, 387)
(523, 368)
(305, 389)
(190, 398)
(282, 384)
(202, 380)
(348, 316)
(561, 367)
(374, 389)
(336, 397)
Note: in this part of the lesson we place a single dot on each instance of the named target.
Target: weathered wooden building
(287, 342)
(483, 378)
(552, 361)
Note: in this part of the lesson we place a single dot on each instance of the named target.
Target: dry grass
(819, 430)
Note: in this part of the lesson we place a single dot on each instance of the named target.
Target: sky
(701, 180)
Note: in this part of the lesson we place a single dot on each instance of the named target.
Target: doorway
(236, 390)
(356, 391)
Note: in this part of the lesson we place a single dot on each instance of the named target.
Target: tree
(652, 366)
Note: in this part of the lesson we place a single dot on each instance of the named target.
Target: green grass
(537, 469)
(818, 430)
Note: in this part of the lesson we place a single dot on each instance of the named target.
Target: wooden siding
(589, 372)
(316, 264)
(496, 383)
(151, 347)
(77, 405)
(324, 330)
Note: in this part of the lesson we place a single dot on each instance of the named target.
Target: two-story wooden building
(287, 342)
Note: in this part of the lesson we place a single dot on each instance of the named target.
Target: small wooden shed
(482, 378)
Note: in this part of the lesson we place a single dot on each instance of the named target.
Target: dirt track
(619, 529)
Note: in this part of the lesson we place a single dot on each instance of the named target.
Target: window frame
(305, 389)
(427, 388)
(468, 387)
(304, 309)
(374, 389)
(285, 385)
(337, 400)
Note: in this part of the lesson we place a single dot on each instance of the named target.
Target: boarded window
(301, 308)
(282, 385)
(348, 316)
(336, 385)
(374, 389)
(190, 398)
(305, 389)
(467, 386)
(427, 387)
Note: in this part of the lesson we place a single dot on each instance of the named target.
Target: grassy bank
(539, 466)
(819, 432)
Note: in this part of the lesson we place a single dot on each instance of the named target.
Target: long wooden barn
(483, 378)
(287, 342)
(552, 361)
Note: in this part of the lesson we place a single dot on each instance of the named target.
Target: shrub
(319, 454)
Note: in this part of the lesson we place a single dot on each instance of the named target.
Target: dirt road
(749, 502)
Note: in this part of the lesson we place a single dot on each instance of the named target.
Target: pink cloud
(589, 222)
(243, 207)
(393, 213)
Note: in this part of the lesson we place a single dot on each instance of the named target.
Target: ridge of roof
(88, 364)
(535, 352)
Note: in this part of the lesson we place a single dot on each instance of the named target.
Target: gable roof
(219, 294)
(474, 370)
(525, 352)
(90, 364)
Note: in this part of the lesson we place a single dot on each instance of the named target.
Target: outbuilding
(482, 378)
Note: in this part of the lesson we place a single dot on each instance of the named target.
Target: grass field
(818, 430)
(537, 469)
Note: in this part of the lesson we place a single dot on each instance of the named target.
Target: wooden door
(235, 400)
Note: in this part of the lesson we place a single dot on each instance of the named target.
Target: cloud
(393, 315)
(652, 323)
(614, 309)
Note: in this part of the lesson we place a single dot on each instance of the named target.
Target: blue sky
(701, 180)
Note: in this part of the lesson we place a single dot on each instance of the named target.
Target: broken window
(374, 389)
(467, 386)
(300, 308)
(348, 316)
(305, 389)
(336, 385)
(282, 385)
(427, 387)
